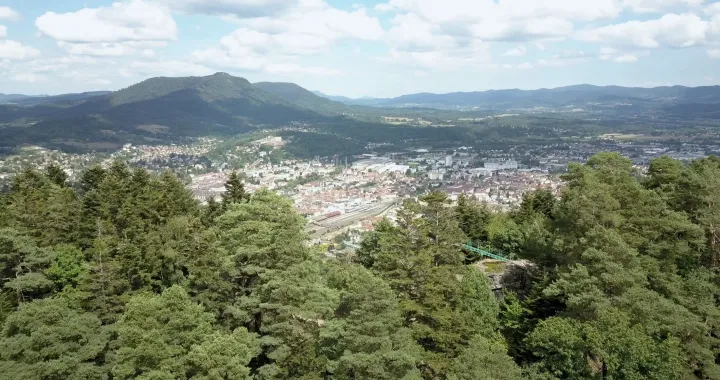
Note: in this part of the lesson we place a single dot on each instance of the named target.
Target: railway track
(323, 226)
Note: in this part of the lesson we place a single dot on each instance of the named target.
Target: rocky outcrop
(515, 276)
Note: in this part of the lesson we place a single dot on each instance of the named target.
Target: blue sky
(360, 48)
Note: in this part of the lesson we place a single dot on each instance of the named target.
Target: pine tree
(211, 211)
(22, 267)
(484, 359)
(169, 336)
(366, 339)
(234, 190)
(442, 303)
(49, 339)
(294, 305)
(257, 238)
(56, 175)
(92, 178)
(370, 245)
(473, 218)
(616, 293)
(91, 220)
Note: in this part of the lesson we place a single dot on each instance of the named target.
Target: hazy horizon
(373, 48)
(373, 97)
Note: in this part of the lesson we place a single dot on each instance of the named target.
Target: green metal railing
(468, 246)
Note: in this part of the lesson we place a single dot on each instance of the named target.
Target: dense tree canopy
(123, 275)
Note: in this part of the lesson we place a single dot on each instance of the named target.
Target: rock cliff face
(515, 276)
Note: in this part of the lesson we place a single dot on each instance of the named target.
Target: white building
(501, 165)
(448, 161)
(435, 175)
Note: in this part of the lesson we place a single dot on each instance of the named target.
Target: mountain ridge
(167, 108)
(161, 108)
(304, 98)
(560, 96)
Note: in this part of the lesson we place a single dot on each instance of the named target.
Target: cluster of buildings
(497, 177)
(317, 188)
(39, 158)
(337, 196)
(505, 190)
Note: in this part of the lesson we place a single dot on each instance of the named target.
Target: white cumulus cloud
(643, 6)
(14, 50)
(7, 13)
(523, 30)
(455, 28)
(713, 8)
(3, 31)
(237, 8)
(479, 10)
(474, 54)
(134, 20)
(671, 30)
(714, 53)
(274, 44)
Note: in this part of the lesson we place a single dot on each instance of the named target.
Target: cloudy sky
(360, 48)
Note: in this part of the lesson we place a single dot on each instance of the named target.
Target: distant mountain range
(165, 109)
(9, 98)
(31, 100)
(303, 98)
(159, 109)
(364, 101)
(578, 95)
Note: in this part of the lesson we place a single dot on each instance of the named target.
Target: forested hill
(303, 98)
(10, 98)
(158, 109)
(124, 275)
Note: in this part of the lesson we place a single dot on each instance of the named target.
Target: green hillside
(219, 86)
(157, 109)
(303, 98)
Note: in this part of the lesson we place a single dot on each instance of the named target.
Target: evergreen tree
(92, 178)
(212, 210)
(223, 356)
(68, 267)
(537, 203)
(91, 225)
(370, 245)
(234, 190)
(4, 215)
(59, 218)
(168, 336)
(56, 175)
(257, 238)
(484, 359)
(22, 266)
(366, 339)
(474, 218)
(618, 307)
(295, 304)
(104, 285)
(130, 278)
(48, 339)
(174, 199)
(442, 302)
